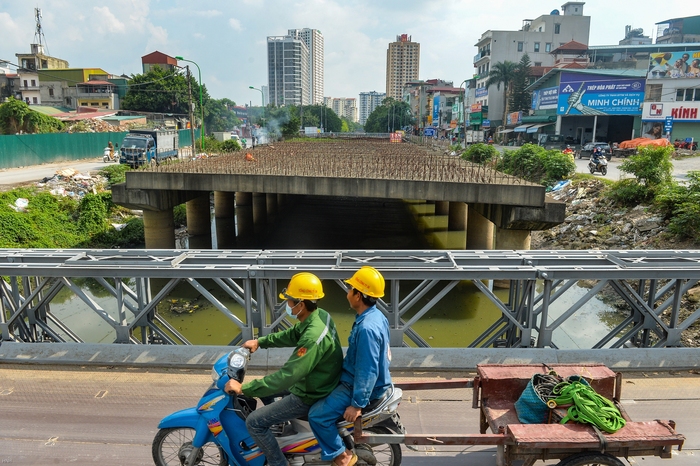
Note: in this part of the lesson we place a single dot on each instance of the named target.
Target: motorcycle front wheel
(604, 170)
(591, 168)
(385, 454)
(171, 447)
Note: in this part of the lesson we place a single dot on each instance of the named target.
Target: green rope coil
(588, 406)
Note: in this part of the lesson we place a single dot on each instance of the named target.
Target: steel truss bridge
(651, 283)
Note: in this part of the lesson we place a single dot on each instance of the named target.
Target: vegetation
(681, 205)
(520, 97)
(534, 163)
(392, 115)
(16, 116)
(651, 168)
(503, 73)
(480, 153)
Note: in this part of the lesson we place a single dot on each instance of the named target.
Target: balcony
(28, 88)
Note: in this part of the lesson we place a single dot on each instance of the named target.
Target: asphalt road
(109, 416)
(680, 168)
(21, 175)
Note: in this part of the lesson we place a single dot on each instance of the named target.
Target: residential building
(343, 107)
(314, 42)
(9, 84)
(402, 65)
(29, 86)
(538, 38)
(288, 70)
(432, 101)
(37, 59)
(678, 30)
(368, 102)
(61, 87)
(266, 95)
(159, 59)
(635, 37)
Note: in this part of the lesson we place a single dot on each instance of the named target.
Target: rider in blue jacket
(365, 375)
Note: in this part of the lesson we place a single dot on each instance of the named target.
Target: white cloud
(235, 24)
(106, 17)
(199, 36)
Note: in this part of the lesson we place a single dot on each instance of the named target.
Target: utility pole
(189, 92)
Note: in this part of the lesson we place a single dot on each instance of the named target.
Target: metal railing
(651, 285)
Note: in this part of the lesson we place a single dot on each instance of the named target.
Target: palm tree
(503, 73)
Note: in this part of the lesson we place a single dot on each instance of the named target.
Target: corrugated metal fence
(33, 149)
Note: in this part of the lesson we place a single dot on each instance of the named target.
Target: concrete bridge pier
(271, 200)
(159, 229)
(442, 208)
(512, 239)
(199, 222)
(457, 224)
(244, 219)
(479, 231)
(224, 215)
(259, 211)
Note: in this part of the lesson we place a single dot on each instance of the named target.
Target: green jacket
(313, 369)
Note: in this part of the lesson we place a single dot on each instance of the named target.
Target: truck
(475, 136)
(552, 141)
(141, 147)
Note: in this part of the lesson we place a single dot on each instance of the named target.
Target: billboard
(674, 65)
(677, 111)
(436, 108)
(588, 94)
(482, 91)
(545, 99)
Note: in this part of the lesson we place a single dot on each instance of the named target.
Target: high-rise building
(402, 65)
(266, 94)
(314, 42)
(368, 102)
(343, 107)
(288, 71)
(295, 67)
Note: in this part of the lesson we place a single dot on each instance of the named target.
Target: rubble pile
(92, 125)
(71, 183)
(592, 222)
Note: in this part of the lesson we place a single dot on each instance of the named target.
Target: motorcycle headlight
(215, 375)
(237, 361)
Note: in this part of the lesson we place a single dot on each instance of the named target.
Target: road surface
(108, 416)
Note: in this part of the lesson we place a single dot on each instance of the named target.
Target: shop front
(677, 121)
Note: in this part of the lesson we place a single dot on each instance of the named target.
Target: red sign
(476, 108)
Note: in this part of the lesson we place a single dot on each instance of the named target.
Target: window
(538, 63)
(51, 91)
(34, 99)
(687, 95)
(653, 93)
(548, 47)
(537, 46)
(557, 28)
(520, 46)
(25, 83)
(33, 83)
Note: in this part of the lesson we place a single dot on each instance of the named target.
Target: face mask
(289, 312)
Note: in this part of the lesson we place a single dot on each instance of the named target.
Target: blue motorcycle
(214, 433)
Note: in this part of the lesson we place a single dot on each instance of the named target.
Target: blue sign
(668, 124)
(436, 110)
(430, 132)
(545, 99)
(486, 123)
(482, 91)
(584, 94)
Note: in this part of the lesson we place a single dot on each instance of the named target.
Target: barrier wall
(21, 150)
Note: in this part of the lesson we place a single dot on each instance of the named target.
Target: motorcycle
(214, 432)
(598, 164)
(109, 155)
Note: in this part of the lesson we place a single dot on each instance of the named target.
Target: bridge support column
(271, 200)
(259, 210)
(224, 215)
(457, 222)
(199, 222)
(159, 229)
(479, 231)
(442, 208)
(244, 219)
(512, 239)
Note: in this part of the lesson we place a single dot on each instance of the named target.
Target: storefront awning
(503, 131)
(536, 128)
(521, 128)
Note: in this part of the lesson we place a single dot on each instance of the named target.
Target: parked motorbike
(598, 164)
(109, 155)
(682, 144)
(215, 433)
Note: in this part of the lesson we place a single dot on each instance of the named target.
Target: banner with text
(674, 65)
(584, 94)
(545, 99)
(678, 111)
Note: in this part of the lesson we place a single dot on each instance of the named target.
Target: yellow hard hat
(368, 281)
(302, 286)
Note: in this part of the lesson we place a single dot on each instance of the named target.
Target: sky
(228, 39)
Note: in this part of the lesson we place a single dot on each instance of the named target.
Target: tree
(349, 126)
(162, 91)
(219, 115)
(521, 98)
(502, 73)
(16, 116)
(389, 117)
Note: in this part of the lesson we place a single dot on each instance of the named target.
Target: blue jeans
(324, 415)
(259, 423)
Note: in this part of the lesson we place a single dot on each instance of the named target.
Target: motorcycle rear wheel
(386, 454)
(170, 447)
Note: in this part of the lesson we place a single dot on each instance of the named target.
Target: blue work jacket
(366, 363)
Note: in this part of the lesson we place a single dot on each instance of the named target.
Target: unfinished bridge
(493, 210)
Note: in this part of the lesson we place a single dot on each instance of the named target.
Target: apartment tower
(402, 65)
(314, 42)
(288, 71)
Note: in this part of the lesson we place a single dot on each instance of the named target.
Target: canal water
(342, 224)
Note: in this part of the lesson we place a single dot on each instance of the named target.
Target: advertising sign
(545, 99)
(486, 124)
(430, 132)
(476, 108)
(482, 91)
(679, 111)
(513, 118)
(436, 108)
(674, 65)
(584, 94)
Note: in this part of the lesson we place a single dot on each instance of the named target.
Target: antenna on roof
(39, 32)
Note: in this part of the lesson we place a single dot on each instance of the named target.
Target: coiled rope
(587, 406)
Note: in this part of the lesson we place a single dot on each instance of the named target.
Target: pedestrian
(310, 373)
(365, 376)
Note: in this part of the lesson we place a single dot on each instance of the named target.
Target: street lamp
(201, 103)
(262, 97)
(464, 110)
